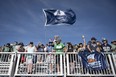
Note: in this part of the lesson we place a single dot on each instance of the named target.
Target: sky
(24, 20)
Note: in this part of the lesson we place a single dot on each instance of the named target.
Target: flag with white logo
(59, 17)
(93, 60)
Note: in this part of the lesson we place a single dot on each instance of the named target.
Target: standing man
(58, 47)
(105, 45)
(92, 45)
(113, 45)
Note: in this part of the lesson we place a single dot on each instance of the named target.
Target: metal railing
(75, 66)
(51, 64)
(6, 63)
(43, 64)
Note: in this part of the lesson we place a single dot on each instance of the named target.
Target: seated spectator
(105, 45)
(113, 45)
(92, 45)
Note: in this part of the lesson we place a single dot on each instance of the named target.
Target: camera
(51, 44)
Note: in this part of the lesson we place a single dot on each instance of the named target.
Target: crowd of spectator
(57, 46)
(91, 45)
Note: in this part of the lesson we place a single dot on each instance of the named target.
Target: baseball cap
(93, 38)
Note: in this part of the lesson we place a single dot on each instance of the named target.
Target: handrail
(65, 67)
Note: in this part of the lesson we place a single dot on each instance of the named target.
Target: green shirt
(113, 47)
(59, 48)
(6, 49)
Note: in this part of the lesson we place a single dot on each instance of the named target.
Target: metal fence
(75, 66)
(6, 63)
(40, 64)
(50, 64)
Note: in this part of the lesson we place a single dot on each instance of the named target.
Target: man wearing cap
(113, 45)
(92, 45)
(58, 48)
(105, 45)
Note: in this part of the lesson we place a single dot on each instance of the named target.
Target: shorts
(58, 59)
(29, 61)
(50, 59)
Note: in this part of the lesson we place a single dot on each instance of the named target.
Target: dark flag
(59, 17)
(93, 60)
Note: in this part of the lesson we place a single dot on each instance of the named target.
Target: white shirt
(30, 49)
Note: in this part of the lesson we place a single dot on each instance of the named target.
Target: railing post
(11, 65)
(114, 54)
(61, 62)
(109, 56)
(64, 64)
(17, 64)
(67, 60)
